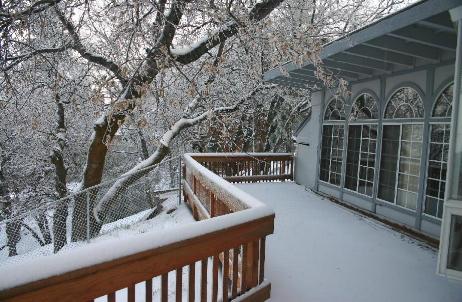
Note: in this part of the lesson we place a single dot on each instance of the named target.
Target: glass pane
(335, 110)
(417, 133)
(443, 105)
(437, 133)
(325, 153)
(360, 158)
(455, 243)
(388, 163)
(411, 202)
(331, 154)
(401, 198)
(436, 173)
(406, 149)
(364, 108)
(431, 206)
(436, 152)
(407, 133)
(405, 103)
(353, 149)
(405, 140)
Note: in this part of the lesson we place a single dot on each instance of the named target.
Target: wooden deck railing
(249, 167)
(232, 244)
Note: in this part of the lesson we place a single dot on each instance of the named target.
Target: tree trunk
(44, 228)
(13, 228)
(121, 185)
(57, 158)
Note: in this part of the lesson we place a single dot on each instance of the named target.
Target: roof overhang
(418, 35)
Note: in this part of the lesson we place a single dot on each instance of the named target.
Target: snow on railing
(249, 167)
(172, 263)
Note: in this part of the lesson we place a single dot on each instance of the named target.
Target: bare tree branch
(37, 7)
(80, 48)
(20, 58)
(257, 13)
(142, 168)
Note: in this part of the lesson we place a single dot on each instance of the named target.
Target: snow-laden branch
(37, 7)
(80, 48)
(190, 54)
(143, 168)
(23, 57)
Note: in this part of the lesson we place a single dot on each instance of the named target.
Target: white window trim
(426, 170)
(360, 150)
(332, 123)
(393, 123)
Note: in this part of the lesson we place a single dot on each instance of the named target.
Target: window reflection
(405, 103)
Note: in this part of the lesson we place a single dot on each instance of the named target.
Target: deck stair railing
(219, 258)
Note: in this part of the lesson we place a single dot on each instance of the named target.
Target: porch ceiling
(418, 35)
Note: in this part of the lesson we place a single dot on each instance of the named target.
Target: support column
(321, 120)
(428, 102)
(452, 210)
(378, 151)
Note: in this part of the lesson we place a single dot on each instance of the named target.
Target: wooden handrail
(98, 280)
(210, 196)
(235, 242)
(248, 167)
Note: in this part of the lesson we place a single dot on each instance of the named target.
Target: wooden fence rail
(249, 167)
(228, 249)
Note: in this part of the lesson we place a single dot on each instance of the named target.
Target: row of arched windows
(401, 148)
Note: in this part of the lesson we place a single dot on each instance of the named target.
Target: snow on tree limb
(80, 48)
(196, 50)
(143, 167)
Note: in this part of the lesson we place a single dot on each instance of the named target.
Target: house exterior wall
(429, 82)
(306, 152)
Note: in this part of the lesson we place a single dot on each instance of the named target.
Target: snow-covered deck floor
(321, 251)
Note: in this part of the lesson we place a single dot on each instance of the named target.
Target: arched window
(405, 103)
(401, 149)
(335, 110)
(438, 153)
(361, 148)
(364, 108)
(443, 105)
(332, 142)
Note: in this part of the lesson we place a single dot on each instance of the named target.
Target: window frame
(451, 207)
(362, 123)
(393, 92)
(400, 121)
(329, 122)
(392, 123)
(442, 121)
(431, 123)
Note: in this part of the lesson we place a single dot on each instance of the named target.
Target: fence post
(88, 215)
(179, 179)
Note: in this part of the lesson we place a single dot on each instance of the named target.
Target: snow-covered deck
(321, 251)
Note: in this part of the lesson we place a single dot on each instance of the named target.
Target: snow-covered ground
(321, 251)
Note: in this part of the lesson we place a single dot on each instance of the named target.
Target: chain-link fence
(90, 213)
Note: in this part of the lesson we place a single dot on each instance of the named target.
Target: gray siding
(306, 156)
